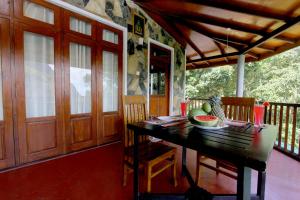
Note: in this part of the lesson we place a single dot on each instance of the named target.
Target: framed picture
(138, 25)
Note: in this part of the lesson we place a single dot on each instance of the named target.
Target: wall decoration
(139, 25)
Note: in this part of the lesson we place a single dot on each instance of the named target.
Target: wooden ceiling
(215, 32)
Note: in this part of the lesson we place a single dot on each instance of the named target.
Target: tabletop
(246, 145)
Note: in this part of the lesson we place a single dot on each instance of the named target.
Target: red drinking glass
(183, 106)
(259, 111)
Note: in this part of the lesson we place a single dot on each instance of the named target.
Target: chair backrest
(239, 108)
(135, 110)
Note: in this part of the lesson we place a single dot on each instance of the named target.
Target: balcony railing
(286, 116)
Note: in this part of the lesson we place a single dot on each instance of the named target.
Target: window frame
(66, 25)
(18, 13)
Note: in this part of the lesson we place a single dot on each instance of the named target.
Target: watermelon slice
(206, 120)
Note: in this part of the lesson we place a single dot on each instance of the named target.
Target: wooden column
(240, 76)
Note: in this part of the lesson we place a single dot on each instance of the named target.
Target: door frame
(150, 40)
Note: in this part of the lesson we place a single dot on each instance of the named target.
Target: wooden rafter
(222, 51)
(272, 34)
(188, 40)
(260, 41)
(216, 21)
(235, 6)
(167, 27)
(189, 19)
(215, 57)
(233, 42)
(253, 55)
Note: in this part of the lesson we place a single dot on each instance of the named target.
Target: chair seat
(149, 151)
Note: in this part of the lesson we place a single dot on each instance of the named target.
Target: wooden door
(160, 62)
(38, 92)
(6, 124)
(80, 92)
(110, 80)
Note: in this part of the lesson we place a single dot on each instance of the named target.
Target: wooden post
(240, 76)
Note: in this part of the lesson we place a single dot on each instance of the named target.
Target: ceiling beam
(253, 55)
(258, 42)
(188, 40)
(222, 51)
(271, 34)
(244, 8)
(208, 33)
(171, 30)
(216, 21)
(214, 57)
(235, 6)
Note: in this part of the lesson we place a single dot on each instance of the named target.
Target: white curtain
(39, 75)
(110, 81)
(80, 78)
(110, 36)
(38, 12)
(80, 26)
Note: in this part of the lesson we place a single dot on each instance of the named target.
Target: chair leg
(174, 170)
(197, 168)
(125, 172)
(149, 170)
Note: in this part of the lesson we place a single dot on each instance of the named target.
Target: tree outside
(275, 79)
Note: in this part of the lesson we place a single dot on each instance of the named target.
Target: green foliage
(274, 79)
(209, 82)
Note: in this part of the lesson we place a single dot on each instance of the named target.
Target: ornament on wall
(130, 47)
(139, 25)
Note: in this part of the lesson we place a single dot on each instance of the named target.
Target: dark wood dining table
(247, 147)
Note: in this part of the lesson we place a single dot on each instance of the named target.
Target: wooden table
(247, 147)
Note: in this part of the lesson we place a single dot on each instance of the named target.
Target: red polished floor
(96, 174)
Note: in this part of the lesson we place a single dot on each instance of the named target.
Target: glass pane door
(110, 82)
(80, 78)
(39, 75)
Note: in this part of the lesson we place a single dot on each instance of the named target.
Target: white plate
(210, 127)
(170, 118)
(235, 123)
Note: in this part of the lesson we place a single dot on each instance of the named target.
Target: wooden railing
(196, 103)
(286, 116)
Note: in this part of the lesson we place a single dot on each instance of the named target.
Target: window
(80, 26)
(38, 12)
(110, 36)
(157, 83)
(80, 78)
(110, 82)
(39, 75)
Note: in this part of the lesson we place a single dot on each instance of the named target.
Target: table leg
(183, 161)
(136, 167)
(261, 182)
(244, 183)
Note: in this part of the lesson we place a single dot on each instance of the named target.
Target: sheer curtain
(110, 81)
(38, 12)
(80, 78)
(110, 36)
(80, 26)
(39, 75)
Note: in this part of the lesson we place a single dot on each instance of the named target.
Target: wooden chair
(235, 108)
(151, 154)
